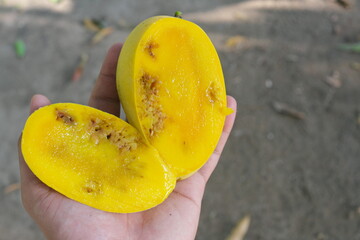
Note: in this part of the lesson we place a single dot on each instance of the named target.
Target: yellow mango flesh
(95, 158)
(171, 86)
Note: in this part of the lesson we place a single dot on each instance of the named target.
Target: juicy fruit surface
(171, 84)
(95, 158)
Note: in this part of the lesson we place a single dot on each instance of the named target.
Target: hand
(62, 218)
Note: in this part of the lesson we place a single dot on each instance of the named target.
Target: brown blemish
(212, 96)
(151, 132)
(64, 116)
(154, 87)
(150, 47)
(92, 187)
(150, 84)
(88, 190)
(102, 130)
(150, 87)
(95, 138)
(212, 93)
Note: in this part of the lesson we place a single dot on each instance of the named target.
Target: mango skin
(171, 85)
(95, 158)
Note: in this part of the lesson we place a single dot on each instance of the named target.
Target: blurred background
(291, 167)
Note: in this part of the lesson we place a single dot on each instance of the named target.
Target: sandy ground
(297, 179)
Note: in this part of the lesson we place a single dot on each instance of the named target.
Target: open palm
(62, 218)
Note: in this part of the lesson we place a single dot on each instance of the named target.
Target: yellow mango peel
(171, 86)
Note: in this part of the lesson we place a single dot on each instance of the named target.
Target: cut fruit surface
(95, 158)
(171, 85)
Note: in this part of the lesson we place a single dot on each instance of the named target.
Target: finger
(209, 167)
(38, 101)
(104, 95)
(26, 175)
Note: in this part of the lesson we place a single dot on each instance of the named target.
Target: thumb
(38, 101)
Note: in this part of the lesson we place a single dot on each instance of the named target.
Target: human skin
(59, 217)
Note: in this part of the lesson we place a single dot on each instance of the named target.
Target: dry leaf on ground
(79, 70)
(234, 41)
(100, 35)
(286, 110)
(355, 66)
(11, 188)
(343, 3)
(240, 230)
(90, 25)
(334, 80)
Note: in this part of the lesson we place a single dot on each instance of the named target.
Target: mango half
(171, 85)
(95, 158)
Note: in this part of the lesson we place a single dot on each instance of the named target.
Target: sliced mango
(171, 85)
(95, 158)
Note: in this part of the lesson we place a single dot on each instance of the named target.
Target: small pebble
(239, 133)
(320, 236)
(270, 136)
(268, 83)
(292, 58)
(299, 91)
(213, 214)
(334, 18)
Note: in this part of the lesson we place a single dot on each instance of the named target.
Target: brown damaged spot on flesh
(212, 93)
(150, 47)
(150, 86)
(101, 130)
(92, 187)
(64, 116)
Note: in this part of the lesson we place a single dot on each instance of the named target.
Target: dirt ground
(295, 178)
